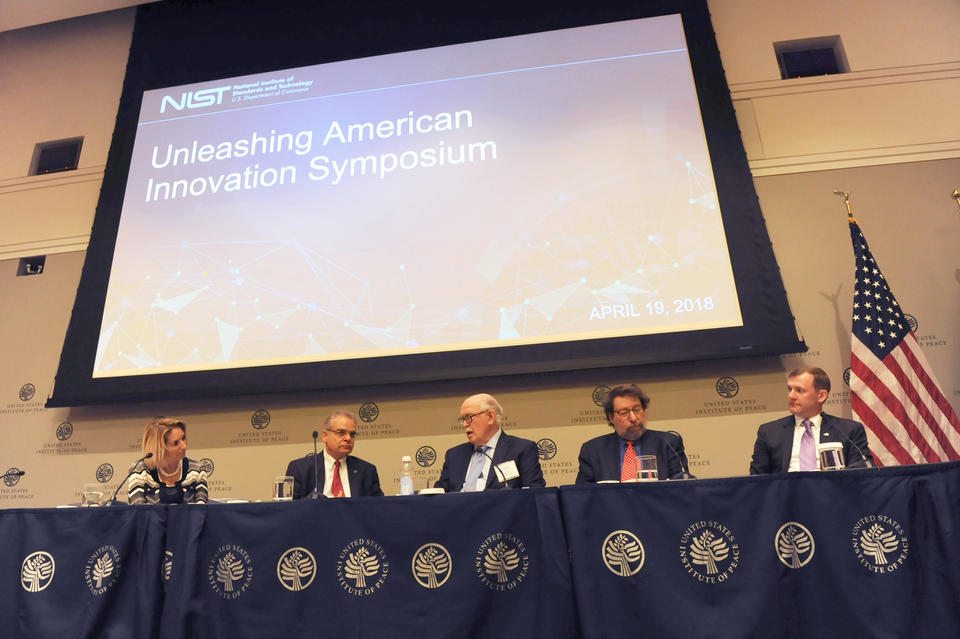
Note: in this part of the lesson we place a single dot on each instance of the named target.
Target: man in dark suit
(490, 458)
(613, 457)
(341, 474)
(790, 444)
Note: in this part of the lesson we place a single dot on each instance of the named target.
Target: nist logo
(194, 99)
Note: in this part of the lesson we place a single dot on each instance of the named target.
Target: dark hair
(821, 381)
(623, 390)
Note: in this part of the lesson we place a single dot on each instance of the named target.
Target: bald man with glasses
(341, 474)
(490, 458)
(613, 457)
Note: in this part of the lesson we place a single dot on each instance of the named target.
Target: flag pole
(846, 202)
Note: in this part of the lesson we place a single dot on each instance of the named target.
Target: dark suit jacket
(771, 452)
(522, 451)
(364, 480)
(600, 456)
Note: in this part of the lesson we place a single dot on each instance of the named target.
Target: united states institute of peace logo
(880, 544)
(104, 473)
(432, 565)
(64, 431)
(368, 412)
(599, 394)
(230, 571)
(912, 321)
(27, 391)
(362, 567)
(11, 478)
(296, 569)
(426, 456)
(623, 553)
(546, 449)
(166, 567)
(36, 572)
(727, 387)
(102, 569)
(260, 419)
(502, 561)
(794, 545)
(709, 552)
(206, 465)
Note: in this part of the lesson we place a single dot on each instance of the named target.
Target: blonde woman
(169, 476)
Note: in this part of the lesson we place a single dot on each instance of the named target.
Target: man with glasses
(614, 457)
(341, 474)
(490, 458)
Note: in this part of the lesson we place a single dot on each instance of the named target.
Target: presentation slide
(525, 190)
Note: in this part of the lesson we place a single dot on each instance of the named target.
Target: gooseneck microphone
(315, 493)
(133, 469)
(864, 460)
(497, 473)
(14, 473)
(684, 469)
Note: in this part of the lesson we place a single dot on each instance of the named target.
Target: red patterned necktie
(629, 469)
(337, 486)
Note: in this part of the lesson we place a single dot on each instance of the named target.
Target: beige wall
(867, 145)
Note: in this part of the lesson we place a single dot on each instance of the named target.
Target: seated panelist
(790, 444)
(168, 476)
(613, 457)
(490, 458)
(341, 474)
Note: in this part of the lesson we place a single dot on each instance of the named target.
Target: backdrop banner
(817, 554)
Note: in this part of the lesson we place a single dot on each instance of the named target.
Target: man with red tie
(341, 474)
(613, 456)
(790, 444)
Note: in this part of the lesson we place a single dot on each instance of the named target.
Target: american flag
(894, 392)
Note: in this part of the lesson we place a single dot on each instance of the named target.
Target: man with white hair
(490, 458)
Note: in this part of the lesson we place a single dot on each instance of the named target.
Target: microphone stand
(315, 493)
(866, 463)
(496, 471)
(113, 500)
(684, 470)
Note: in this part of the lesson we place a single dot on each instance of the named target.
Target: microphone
(684, 469)
(315, 493)
(17, 473)
(497, 473)
(864, 460)
(113, 500)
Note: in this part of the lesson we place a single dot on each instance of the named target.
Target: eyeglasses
(466, 419)
(625, 412)
(342, 432)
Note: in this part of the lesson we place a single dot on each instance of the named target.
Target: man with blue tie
(790, 444)
(490, 458)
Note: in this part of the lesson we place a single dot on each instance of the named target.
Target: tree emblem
(546, 449)
(27, 392)
(426, 456)
(260, 419)
(727, 387)
(500, 559)
(229, 570)
(368, 412)
(102, 569)
(876, 542)
(360, 565)
(621, 551)
(707, 550)
(296, 569)
(432, 565)
(599, 394)
(64, 431)
(794, 545)
(37, 570)
(166, 567)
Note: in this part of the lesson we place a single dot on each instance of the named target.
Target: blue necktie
(475, 469)
(808, 449)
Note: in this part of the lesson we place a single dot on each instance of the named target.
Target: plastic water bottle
(406, 476)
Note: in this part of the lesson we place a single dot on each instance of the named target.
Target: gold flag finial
(846, 203)
(956, 195)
